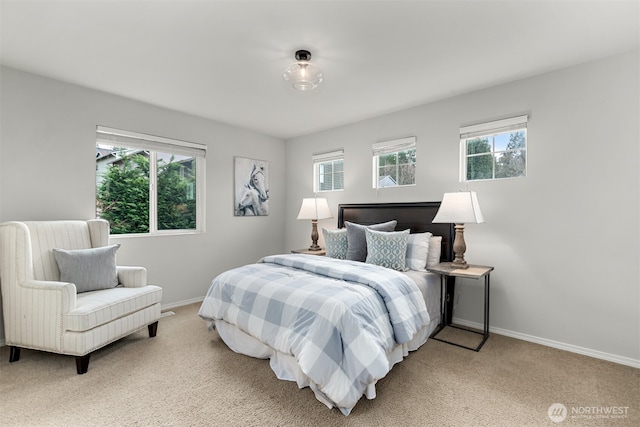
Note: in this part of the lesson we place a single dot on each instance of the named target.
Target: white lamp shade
(459, 208)
(314, 208)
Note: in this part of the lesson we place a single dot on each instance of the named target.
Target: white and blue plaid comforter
(337, 318)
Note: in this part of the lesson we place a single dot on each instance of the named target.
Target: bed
(334, 325)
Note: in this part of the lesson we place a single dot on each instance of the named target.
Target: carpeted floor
(186, 376)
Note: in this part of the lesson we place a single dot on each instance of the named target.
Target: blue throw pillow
(335, 242)
(387, 249)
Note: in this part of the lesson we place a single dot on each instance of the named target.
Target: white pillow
(435, 248)
(417, 251)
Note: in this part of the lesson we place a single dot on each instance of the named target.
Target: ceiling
(224, 60)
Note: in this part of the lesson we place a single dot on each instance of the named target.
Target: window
(494, 150)
(328, 171)
(147, 184)
(394, 163)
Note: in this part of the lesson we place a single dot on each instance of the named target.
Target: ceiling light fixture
(303, 75)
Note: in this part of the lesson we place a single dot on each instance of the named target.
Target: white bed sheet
(286, 367)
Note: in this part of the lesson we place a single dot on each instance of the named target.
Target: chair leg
(14, 354)
(82, 363)
(153, 329)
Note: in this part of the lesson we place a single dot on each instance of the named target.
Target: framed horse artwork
(251, 187)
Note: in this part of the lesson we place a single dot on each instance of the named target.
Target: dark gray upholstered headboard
(416, 216)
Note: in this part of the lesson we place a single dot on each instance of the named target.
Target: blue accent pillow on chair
(89, 269)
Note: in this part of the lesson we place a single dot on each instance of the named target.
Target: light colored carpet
(186, 376)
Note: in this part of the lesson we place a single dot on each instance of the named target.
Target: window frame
(394, 146)
(323, 158)
(154, 145)
(491, 130)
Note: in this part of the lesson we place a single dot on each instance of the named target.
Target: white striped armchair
(44, 310)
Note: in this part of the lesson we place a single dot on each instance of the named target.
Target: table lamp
(459, 208)
(314, 209)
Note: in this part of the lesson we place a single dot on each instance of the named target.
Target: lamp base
(459, 265)
(459, 248)
(314, 236)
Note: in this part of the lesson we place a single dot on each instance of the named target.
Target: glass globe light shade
(303, 75)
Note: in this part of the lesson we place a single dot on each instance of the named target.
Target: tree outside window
(495, 150)
(148, 186)
(394, 163)
(398, 168)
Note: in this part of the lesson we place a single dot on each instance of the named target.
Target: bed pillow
(387, 249)
(356, 239)
(335, 242)
(89, 269)
(417, 251)
(435, 248)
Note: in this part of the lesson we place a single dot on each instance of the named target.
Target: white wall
(47, 171)
(564, 240)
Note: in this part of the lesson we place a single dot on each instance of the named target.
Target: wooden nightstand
(321, 252)
(445, 270)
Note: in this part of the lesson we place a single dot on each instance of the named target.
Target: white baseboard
(181, 303)
(634, 363)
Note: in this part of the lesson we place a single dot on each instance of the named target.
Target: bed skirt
(286, 367)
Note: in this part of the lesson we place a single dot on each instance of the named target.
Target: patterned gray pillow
(388, 249)
(356, 240)
(336, 242)
(89, 269)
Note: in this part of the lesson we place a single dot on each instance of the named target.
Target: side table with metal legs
(473, 272)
